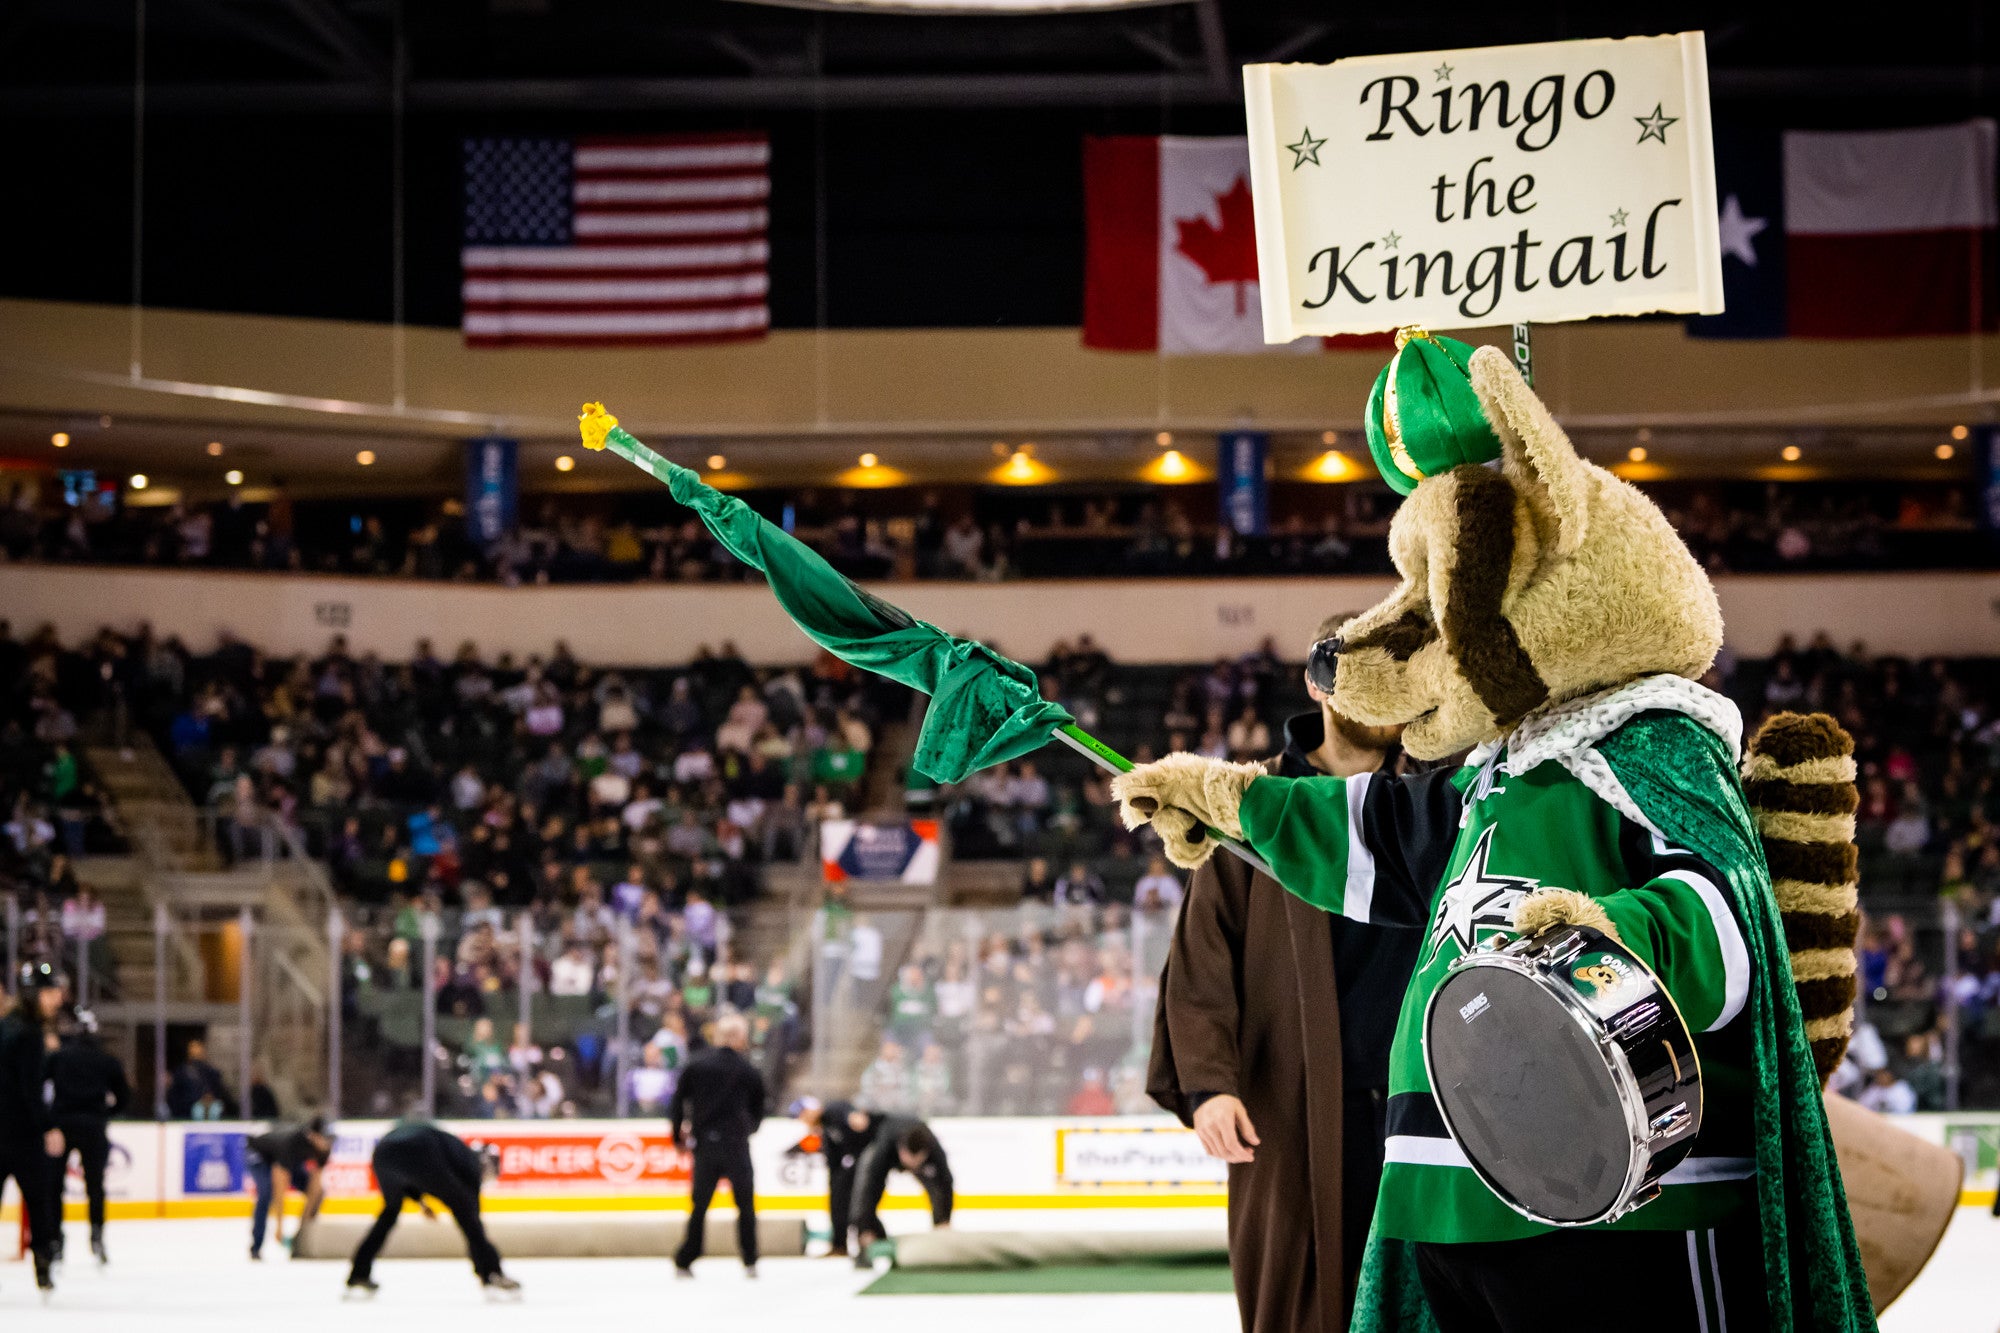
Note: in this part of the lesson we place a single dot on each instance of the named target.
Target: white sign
(1552, 181)
(1130, 1155)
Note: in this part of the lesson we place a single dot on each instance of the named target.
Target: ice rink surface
(197, 1276)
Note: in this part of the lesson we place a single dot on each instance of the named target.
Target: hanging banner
(1246, 494)
(492, 488)
(1493, 185)
(1986, 438)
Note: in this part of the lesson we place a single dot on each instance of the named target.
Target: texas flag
(1170, 248)
(1878, 234)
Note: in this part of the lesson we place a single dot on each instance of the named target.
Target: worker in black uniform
(721, 1097)
(418, 1162)
(844, 1132)
(279, 1159)
(28, 1134)
(907, 1143)
(87, 1088)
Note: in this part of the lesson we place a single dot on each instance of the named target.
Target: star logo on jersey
(1478, 900)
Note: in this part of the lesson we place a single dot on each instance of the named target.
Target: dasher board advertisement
(1493, 185)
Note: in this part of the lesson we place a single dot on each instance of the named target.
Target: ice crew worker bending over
(279, 1159)
(90, 1088)
(900, 1142)
(845, 1131)
(721, 1098)
(416, 1161)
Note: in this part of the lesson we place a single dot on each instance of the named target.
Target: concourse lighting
(60, 439)
(1173, 465)
(564, 462)
(1329, 438)
(1164, 439)
(366, 458)
(1637, 453)
(215, 448)
(716, 462)
(1331, 466)
(1960, 432)
(233, 477)
(138, 482)
(1022, 469)
(869, 460)
(1944, 453)
(1790, 453)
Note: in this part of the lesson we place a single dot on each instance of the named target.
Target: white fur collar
(1568, 732)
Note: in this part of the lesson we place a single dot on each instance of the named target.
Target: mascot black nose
(1320, 664)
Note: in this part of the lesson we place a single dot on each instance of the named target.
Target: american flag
(589, 242)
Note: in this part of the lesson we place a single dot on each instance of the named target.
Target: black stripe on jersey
(1410, 824)
(1414, 1115)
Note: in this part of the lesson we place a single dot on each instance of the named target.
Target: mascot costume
(1551, 623)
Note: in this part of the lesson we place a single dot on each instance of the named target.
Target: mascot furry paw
(1550, 622)
(1182, 797)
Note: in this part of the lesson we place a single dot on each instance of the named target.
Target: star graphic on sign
(1618, 218)
(1391, 241)
(1305, 150)
(1739, 232)
(1655, 125)
(1478, 900)
(1443, 72)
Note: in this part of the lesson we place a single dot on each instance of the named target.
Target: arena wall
(1026, 1163)
(1150, 620)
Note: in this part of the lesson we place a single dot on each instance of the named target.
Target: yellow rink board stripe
(774, 1203)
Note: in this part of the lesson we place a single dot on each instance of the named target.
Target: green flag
(985, 709)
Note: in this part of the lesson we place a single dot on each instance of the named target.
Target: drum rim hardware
(1543, 958)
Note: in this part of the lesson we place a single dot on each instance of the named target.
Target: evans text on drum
(1564, 1071)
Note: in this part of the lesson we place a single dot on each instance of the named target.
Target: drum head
(1528, 1094)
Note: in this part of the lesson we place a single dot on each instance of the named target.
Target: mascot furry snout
(1536, 581)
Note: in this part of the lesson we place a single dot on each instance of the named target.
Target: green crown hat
(1423, 416)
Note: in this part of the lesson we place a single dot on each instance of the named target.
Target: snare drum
(1563, 1069)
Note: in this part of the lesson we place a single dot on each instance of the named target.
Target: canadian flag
(1170, 246)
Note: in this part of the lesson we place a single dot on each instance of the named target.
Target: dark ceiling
(295, 56)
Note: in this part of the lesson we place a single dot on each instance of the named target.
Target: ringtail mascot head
(1529, 575)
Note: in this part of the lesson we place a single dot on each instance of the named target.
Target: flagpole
(621, 442)
(1095, 750)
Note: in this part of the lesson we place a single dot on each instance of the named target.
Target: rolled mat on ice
(547, 1236)
(992, 1250)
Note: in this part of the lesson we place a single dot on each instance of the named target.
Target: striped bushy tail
(1799, 776)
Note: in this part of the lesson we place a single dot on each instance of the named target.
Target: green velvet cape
(1681, 775)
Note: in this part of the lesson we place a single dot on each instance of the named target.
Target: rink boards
(199, 1170)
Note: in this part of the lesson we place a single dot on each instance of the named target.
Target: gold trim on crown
(1392, 425)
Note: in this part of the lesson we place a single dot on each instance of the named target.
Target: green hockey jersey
(1452, 854)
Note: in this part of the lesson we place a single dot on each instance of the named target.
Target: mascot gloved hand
(1182, 797)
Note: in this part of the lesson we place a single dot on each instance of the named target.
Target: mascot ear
(1535, 454)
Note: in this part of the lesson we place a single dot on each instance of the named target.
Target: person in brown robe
(1271, 1040)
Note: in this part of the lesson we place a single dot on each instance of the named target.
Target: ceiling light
(366, 458)
(1790, 453)
(1944, 453)
(869, 460)
(1164, 439)
(1331, 466)
(215, 448)
(60, 439)
(564, 462)
(138, 482)
(1173, 465)
(1329, 438)
(716, 462)
(104, 422)
(1960, 432)
(233, 477)
(1022, 469)
(1645, 434)
(1637, 453)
